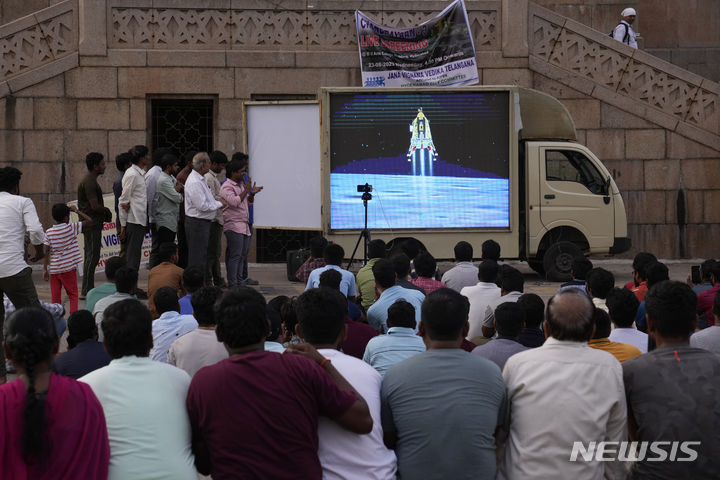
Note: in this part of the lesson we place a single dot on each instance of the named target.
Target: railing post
(514, 28)
(92, 22)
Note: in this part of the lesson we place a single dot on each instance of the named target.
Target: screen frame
(325, 169)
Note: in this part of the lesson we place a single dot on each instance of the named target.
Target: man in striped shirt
(63, 254)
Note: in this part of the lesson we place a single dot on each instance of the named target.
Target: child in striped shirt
(63, 254)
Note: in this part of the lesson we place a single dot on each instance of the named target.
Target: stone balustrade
(48, 37)
(595, 64)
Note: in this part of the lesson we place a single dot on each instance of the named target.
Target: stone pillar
(93, 27)
(514, 28)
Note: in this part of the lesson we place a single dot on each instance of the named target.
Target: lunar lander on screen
(422, 152)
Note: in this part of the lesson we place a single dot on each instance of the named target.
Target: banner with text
(439, 52)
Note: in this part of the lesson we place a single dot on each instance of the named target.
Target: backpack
(626, 37)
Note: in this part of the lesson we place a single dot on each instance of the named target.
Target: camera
(364, 188)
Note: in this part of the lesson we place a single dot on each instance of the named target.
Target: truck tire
(558, 259)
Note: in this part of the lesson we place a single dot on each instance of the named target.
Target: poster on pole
(439, 52)
(110, 244)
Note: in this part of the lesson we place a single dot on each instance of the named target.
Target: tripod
(365, 233)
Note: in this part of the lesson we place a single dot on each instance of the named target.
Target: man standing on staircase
(624, 32)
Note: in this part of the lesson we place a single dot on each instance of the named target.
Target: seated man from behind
(481, 295)
(343, 454)
(490, 250)
(532, 335)
(143, 401)
(364, 278)
(112, 265)
(443, 400)
(709, 338)
(315, 260)
(578, 272)
(401, 264)
(672, 392)
(85, 354)
(334, 255)
(125, 283)
(358, 333)
(464, 273)
(193, 280)
(171, 325)
(236, 438)
(509, 322)
(656, 272)
(399, 343)
(389, 291)
(512, 284)
(165, 274)
(598, 286)
(200, 347)
(425, 267)
(560, 380)
(623, 305)
(600, 339)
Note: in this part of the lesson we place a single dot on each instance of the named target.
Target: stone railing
(47, 38)
(290, 25)
(633, 80)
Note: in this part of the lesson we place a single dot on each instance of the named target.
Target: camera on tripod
(365, 190)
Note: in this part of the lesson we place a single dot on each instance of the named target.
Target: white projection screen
(283, 141)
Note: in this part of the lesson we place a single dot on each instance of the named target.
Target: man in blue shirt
(334, 254)
(384, 273)
(399, 343)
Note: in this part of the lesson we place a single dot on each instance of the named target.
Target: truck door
(574, 192)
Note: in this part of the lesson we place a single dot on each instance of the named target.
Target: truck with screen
(469, 163)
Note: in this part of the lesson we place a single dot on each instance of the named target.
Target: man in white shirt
(144, 401)
(344, 454)
(151, 178)
(199, 348)
(200, 210)
(511, 288)
(623, 305)
(623, 32)
(170, 326)
(213, 275)
(481, 295)
(133, 206)
(125, 284)
(464, 273)
(17, 216)
(561, 393)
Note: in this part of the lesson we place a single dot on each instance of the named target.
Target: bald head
(569, 316)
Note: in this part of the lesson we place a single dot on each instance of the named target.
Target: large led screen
(434, 160)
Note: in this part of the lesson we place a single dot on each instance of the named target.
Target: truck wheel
(558, 261)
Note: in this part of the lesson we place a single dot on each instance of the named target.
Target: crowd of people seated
(398, 371)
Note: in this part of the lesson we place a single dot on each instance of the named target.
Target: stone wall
(88, 71)
(683, 32)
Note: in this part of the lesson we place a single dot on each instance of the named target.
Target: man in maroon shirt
(358, 333)
(248, 411)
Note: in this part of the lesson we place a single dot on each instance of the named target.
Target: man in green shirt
(90, 202)
(365, 279)
(106, 289)
(167, 200)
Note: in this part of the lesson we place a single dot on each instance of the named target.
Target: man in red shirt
(248, 411)
(706, 298)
